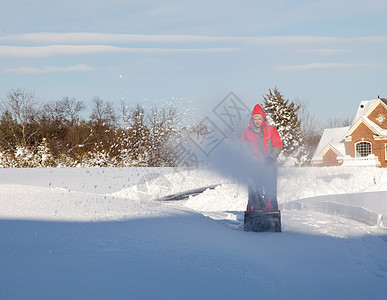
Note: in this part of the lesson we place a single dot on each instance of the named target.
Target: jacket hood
(257, 110)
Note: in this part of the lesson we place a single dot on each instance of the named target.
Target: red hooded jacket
(270, 134)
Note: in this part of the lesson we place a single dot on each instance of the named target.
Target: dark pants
(262, 189)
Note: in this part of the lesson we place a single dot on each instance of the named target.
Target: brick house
(364, 143)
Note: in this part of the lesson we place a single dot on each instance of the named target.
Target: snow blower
(261, 215)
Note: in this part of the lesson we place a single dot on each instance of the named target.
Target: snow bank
(84, 194)
(299, 183)
(349, 192)
(351, 189)
(370, 208)
(356, 193)
(59, 204)
(155, 185)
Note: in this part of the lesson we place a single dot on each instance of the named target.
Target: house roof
(365, 108)
(334, 138)
(362, 109)
(379, 130)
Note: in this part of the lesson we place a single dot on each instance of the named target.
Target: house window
(363, 149)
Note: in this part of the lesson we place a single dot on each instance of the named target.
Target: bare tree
(8, 128)
(162, 125)
(60, 122)
(162, 119)
(124, 113)
(71, 109)
(311, 128)
(309, 125)
(51, 112)
(67, 109)
(102, 114)
(23, 106)
(338, 122)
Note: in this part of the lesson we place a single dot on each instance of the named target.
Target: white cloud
(29, 70)
(45, 51)
(319, 66)
(313, 66)
(55, 50)
(85, 38)
(324, 51)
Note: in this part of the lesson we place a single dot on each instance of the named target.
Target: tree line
(53, 134)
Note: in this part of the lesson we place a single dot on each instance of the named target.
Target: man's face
(258, 120)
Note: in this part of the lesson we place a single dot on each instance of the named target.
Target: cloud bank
(319, 66)
(56, 50)
(45, 70)
(95, 37)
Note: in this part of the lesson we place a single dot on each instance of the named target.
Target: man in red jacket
(265, 142)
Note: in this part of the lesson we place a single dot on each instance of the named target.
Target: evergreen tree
(284, 116)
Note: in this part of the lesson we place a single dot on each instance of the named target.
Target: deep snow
(102, 234)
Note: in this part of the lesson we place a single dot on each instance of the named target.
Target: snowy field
(103, 233)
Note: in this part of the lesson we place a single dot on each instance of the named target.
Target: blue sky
(331, 54)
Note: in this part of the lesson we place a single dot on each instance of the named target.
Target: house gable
(330, 148)
(332, 139)
(366, 108)
(330, 158)
(365, 132)
(379, 115)
(361, 128)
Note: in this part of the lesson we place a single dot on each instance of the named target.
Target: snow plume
(211, 146)
(233, 160)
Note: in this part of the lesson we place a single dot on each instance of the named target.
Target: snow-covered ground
(102, 233)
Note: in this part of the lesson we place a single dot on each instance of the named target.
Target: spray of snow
(232, 160)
